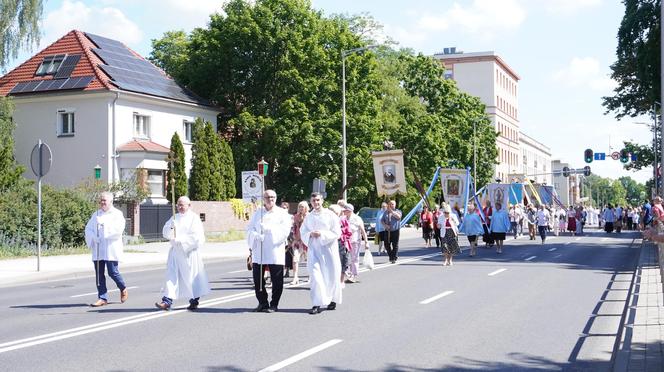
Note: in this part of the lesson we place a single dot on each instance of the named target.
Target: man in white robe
(267, 234)
(320, 232)
(185, 272)
(103, 235)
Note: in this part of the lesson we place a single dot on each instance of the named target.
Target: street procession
(331, 185)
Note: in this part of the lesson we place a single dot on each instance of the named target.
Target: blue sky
(561, 49)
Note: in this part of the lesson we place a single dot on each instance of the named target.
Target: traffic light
(565, 171)
(588, 156)
(624, 156)
(586, 170)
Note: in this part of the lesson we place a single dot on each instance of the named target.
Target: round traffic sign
(40, 159)
(615, 155)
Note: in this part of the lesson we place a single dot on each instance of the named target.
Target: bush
(64, 215)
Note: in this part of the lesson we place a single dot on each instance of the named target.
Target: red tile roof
(73, 42)
(143, 146)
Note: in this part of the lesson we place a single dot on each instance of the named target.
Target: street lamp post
(344, 54)
(474, 157)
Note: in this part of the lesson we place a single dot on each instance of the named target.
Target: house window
(141, 126)
(188, 127)
(65, 123)
(50, 65)
(449, 74)
(155, 182)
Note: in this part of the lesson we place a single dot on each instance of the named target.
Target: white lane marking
(558, 256)
(97, 327)
(497, 272)
(605, 239)
(552, 249)
(551, 237)
(94, 293)
(530, 258)
(238, 271)
(577, 239)
(300, 356)
(402, 261)
(568, 243)
(436, 297)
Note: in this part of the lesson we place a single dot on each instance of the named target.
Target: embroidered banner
(498, 193)
(389, 172)
(453, 183)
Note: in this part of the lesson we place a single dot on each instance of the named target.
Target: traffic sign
(40, 159)
(600, 156)
(615, 155)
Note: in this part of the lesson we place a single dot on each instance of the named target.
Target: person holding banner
(487, 237)
(472, 227)
(543, 218)
(531, 218)
(381, 235)
(391, 221)
(500, 225)
(436, 231)
(267, 233)
(426, 221)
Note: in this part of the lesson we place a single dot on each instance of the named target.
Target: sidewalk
(24, 270)
(642, 344)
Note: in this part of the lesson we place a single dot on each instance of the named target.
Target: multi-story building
(567, 187)
(489, 77)
(535, 160)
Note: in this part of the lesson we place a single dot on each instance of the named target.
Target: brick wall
(219, 216)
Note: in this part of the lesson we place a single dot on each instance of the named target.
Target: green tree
(227, 170)
(217, 185)
(637, 69)
(635, 192)
(199, 177)
(176, 170)
(170, 53)
(10, 172)
(19, 27)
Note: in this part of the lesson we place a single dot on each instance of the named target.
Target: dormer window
(50, 65)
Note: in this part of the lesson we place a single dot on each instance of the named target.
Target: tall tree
(637, 70)
(217, 186)
(10, 172)
(199, 176)
(19, 27)
(176, 170)
(170, 53)
(227, 170)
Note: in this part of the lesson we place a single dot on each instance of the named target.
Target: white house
(95, 102)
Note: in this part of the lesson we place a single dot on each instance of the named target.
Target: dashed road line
(300, 356)
(436, 297)
(497, 272)
(530, 258)
(552, 249)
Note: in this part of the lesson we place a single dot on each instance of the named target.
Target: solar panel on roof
(67, 66)
(133, 73)
(51, 85)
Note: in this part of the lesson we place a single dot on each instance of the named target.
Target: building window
(65, 123)
(188, 128)
(155, 182)
(141, 126)
(50, 65)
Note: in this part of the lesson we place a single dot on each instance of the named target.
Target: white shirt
(266, 235)
(103, 234)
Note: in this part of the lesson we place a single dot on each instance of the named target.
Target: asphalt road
(555, 306)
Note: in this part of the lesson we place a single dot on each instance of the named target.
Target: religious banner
(533, 195)
(389, 172)
(546, 194)
(453, 183)
(498, 193)
(252, 186)
(516, 193)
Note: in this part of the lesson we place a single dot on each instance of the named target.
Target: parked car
(369, 217)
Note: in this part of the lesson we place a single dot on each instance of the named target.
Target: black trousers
(436, 236)
(392, 244)
(277, 279)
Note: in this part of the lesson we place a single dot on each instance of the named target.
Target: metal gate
(153, 218)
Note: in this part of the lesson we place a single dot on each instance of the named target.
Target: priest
(321, 232)
(185, 272)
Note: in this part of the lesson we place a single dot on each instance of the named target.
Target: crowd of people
(330, 240)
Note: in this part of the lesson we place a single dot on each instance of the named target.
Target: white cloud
(569, 6)
(104, 21)
(484, 17)
(584, 71)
